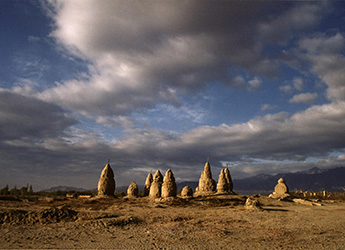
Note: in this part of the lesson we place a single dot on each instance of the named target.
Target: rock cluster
(156, 185)
(206, 184)
(169, 188)
(106, 183)
(228, 179)
(224, 184)
(147, 186)
(187, 192)
(132, 190)
(161, 187)
(281, 190)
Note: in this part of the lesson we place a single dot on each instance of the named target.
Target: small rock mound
(132, 190)
(106, 183)
(187, 192)
(252, 204)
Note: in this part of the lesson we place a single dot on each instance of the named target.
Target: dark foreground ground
(217, 222)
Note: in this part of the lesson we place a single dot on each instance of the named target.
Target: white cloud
(266, 107)
(304, 98)
(298, 83)
(140, 60)
(255, 83)
(286, 88)
(327, 61)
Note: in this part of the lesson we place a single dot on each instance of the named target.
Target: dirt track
(220, 222)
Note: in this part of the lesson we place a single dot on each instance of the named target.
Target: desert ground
(214, 222)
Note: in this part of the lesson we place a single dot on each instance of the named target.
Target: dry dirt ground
(217, 222)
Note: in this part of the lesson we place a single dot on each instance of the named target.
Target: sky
(255, 85)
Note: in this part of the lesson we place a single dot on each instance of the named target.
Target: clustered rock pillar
(132, 190)
(222, 185)
(169, 188)
(228, 179)
(106, 183)
(281, 190)
(156, 185)
(225, 184)
(147, 186)
(206, 184)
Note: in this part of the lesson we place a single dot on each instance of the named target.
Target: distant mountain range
(62, 188)
(314, 179)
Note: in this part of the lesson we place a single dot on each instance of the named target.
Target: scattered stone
(281, 191)
(132, 190)
(156, 185)
(306, 202)
(206, 184)
(187, 192)
(228, 179)
(169, 188)
(106, 183)
(148, 182)
(252, 204)
(222, 185)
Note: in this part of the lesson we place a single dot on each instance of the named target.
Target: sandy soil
(218, 222)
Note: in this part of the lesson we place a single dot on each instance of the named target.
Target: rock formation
(222, 185)
(228, 179)
(106, 183)
(206, 184)
(147, 186)
(133, 190)
(281, 191)
(156, 185)
(169, 188)
(252, 204)
(187, 192)
(158, 177)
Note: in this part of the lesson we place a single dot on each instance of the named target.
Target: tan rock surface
(132, 190)
(158, 177)
(147, 186)
(169, 188)
(222, 185)
(281, 190)
(187, 192)
(106, 183)
(206, 184)
(156, 185)
(228, 180)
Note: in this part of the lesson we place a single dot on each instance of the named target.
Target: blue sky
(159, 85)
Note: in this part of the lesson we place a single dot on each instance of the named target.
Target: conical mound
(222, 185)
(106, 183)
(156, 185)
(158, 177)
(148, 183)
(169, 188)
(206, 183)
(133, 190)
(187, 192)
(228, 180)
